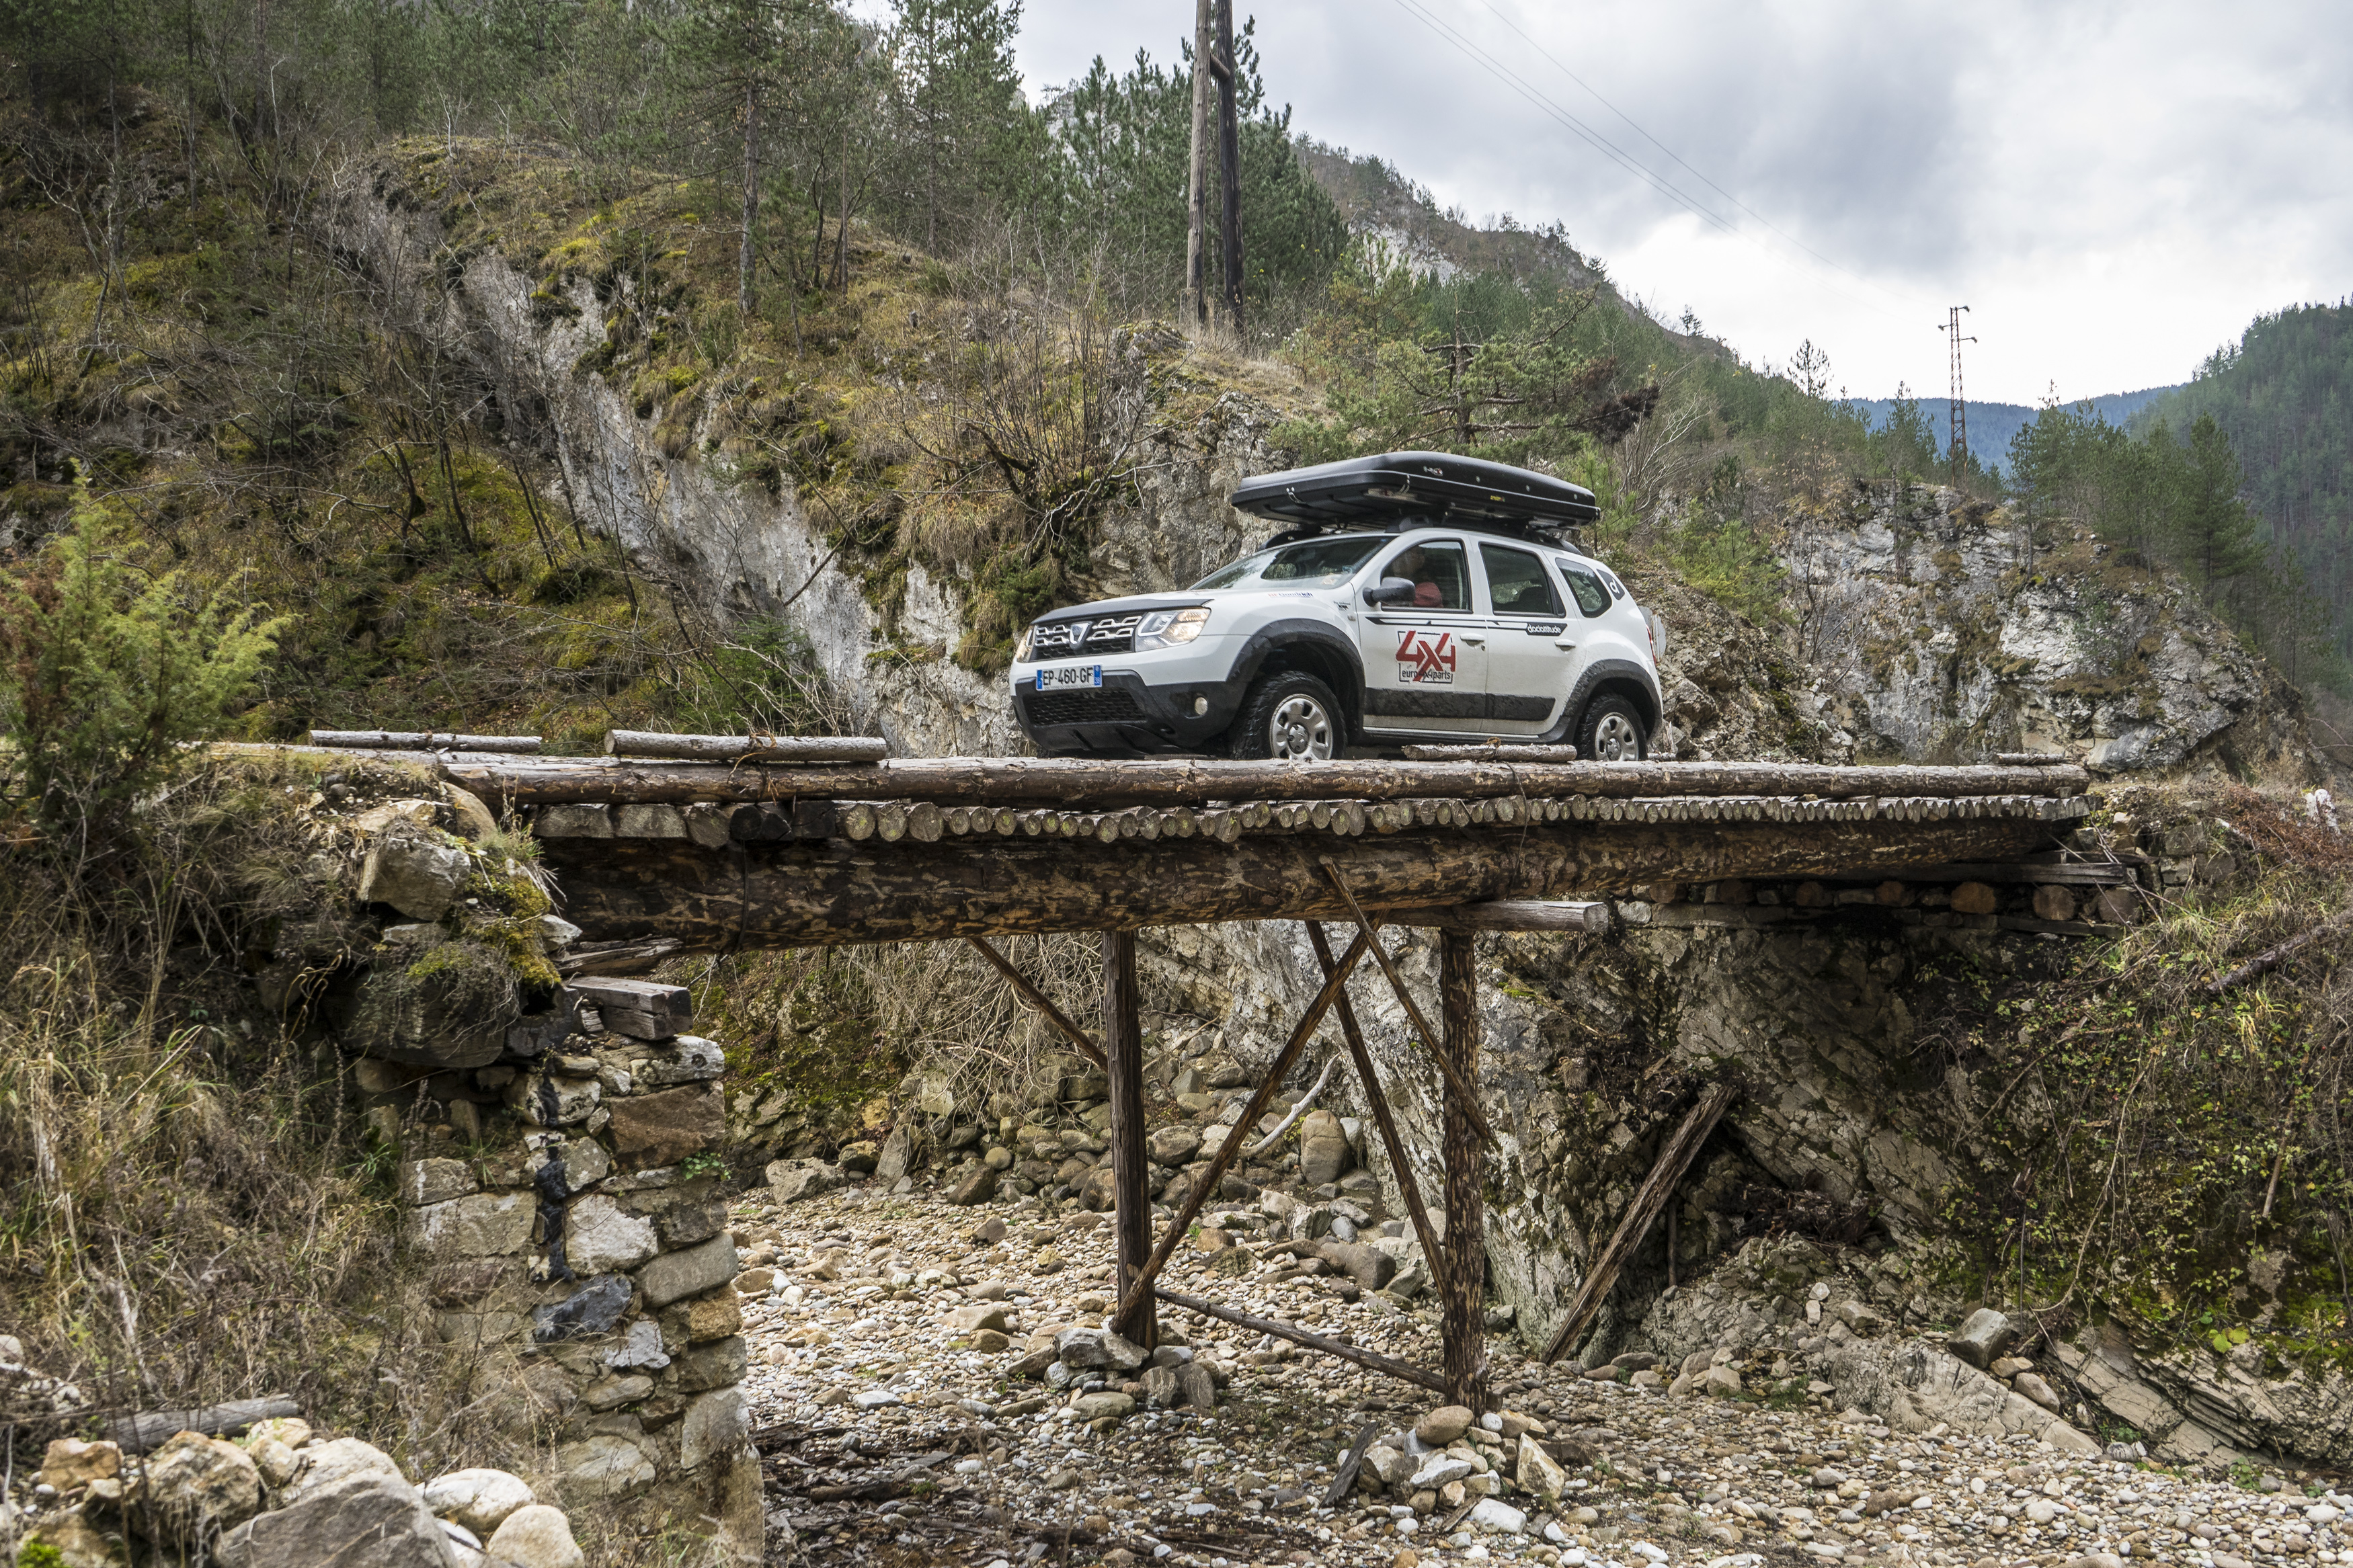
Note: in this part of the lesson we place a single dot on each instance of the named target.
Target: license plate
(1069, 676)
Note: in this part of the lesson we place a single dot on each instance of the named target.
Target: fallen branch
(2270, 959)
(1371, 1361)
(149, 1429)
(1298, 1111)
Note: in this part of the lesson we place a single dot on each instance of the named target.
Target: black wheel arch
(1310, 647)
(1621, 675)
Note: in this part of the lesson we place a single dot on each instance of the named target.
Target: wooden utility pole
(1197, 198)
(1123, 1047)
(1463, 1322)
(1230, 168)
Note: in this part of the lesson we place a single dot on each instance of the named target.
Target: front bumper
(1124, 716)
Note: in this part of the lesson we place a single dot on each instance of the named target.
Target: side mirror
(1390, 590)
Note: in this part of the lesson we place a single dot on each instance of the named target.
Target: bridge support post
(1122, 1048)
(1462, 1321)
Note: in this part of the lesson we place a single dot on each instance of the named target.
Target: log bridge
(673, 845)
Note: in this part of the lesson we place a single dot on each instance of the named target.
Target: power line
(1602, 144)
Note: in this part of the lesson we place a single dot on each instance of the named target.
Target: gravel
(887, 1436)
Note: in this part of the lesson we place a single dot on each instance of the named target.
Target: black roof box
(1388, 485)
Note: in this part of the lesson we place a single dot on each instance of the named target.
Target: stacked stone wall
(563, 1212)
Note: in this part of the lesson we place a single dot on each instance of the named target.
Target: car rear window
(1316, 564)
(1591, 597)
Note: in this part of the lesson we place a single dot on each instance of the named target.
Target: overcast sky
(2114, 189)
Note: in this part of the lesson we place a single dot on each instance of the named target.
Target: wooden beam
(1509, 914)
(423, 740)
(617, 957)
(1462, 1308)
(746, 748)
(1155, 780)
(827, 893)
(1223, 1159)
(1040, 1000)
(1429, 1038)
(1371, 1361)
(1378, 1103)
(1123, 1047)
(1601, 1272)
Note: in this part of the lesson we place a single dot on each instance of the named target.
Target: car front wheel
(1289, 718)
(1610, 732)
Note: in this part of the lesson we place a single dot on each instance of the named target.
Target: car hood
(1101, 607)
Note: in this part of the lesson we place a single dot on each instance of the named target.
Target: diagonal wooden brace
(1371, 1361)
(1411, 1189)
(1429, 1037)
(1232, 1146)
(1040, 1000)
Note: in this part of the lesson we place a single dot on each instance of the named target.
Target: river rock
(419, 875)
(1173, 1145)
(1080, 1348)
(1442, 1426)
(1323, 1149)
(789, 1180)
(537, 1536)
(340, 1459)
(197, 1487)
(1984, 1337)
(69, 1462)
(1539, 1473)
(361, 1521)
(479, 1500)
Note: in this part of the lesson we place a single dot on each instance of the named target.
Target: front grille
(1111, 634)
(1112, 705)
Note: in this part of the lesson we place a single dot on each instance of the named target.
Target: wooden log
(745, 748)
(1351, 1463)
(428, 740)
(1429, 1037)
(149, 1430)
(1601, 1271)
(1510, 914)
(1223, 1159)
(1122, 1048)
(2271, 958)
(1462, 1321)
(1383, 1118)
(817, 894)
(1371, 1361)
(2030, 759)
(1040, 1000)
(617, 957)
(1196, 782)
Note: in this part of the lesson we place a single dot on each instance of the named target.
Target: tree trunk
(825, 892)
(1230, 169)
(1122, 1048)
(1196, 296)
(1464, 1287)
(751, 196)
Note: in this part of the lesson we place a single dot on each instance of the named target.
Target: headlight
(1169, 628)
(1021, 644)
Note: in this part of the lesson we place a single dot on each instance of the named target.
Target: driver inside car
(1415, 566)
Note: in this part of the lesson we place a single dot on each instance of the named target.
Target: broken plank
(1371, 1361)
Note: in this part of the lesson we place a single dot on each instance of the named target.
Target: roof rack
(1393, 490)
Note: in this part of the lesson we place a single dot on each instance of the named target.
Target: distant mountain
(1991, 425)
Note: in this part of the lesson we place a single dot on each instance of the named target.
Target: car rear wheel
(1289, 718)
(1610, 732)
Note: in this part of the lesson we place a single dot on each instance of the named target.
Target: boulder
(469, 818)
(419, 875)
(1173, 1145)
(368, 1521)
(1367, 1265)
(1198, 1387)
(1094, 1406)
(1444, 1424)
(898, 1155)
(1491, 1514)
(1539, 1473)
(979, 1315)
(1323, 1150)
(342, 1459)
(1984, 1338)
(1081, 1348)
(479, 1500)
(860, 1158)
(977, 1188)
(535, 1537)
(196, 1488)
(70, 1462)
(1391, 1465)
(789, 1180)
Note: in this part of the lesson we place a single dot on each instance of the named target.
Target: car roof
(1438, 487)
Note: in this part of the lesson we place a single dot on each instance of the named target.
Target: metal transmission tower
(1957, 422)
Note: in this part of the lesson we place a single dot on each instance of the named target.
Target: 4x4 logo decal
(1424, 660)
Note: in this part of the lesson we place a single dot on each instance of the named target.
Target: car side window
(1439, 572)
(1516, 584)
(1591, 597)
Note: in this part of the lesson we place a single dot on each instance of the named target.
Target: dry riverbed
(888, 1333)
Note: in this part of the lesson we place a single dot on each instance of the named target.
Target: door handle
(1565, 645)
(1477, 642)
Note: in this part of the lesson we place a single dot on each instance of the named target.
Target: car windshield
(1315, 563)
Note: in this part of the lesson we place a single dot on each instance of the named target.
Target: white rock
(874, 1398)
(1440, 1468)
(324, 1464)
(1493, 1515)
(537, 1537)
(598, 1238)
(479, 1500)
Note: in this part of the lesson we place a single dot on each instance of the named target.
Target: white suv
(1418, 597)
